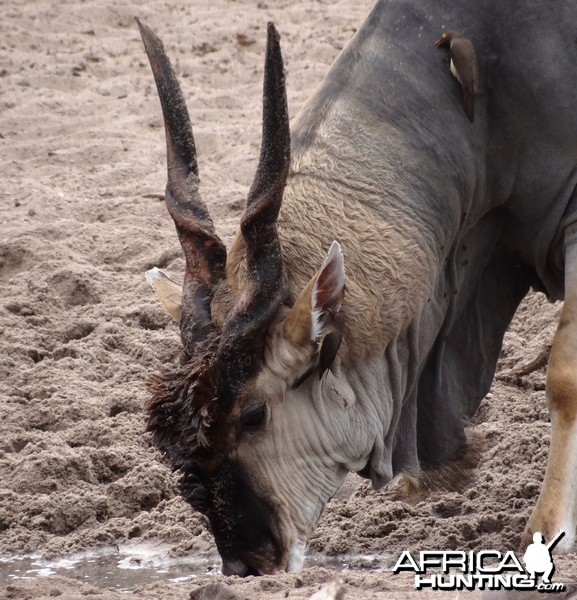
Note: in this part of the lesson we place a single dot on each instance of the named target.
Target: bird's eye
(254, 417)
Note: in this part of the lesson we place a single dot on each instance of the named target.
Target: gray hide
(490, 199)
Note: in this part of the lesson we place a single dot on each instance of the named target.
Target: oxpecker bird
(463, 67)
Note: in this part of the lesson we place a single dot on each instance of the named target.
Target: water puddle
(127, 567)
(346, 562)
(124, 567)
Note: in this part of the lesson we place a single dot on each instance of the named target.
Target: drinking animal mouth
(237, 567)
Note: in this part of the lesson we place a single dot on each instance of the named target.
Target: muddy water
(122, 567)
(127, 567)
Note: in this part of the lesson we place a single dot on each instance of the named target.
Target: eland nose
(237, 567)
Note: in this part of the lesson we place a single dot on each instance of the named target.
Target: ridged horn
(242, 338)
(204, 252)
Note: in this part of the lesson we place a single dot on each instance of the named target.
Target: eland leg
(556, 508)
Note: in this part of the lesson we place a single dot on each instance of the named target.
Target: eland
(356, 320)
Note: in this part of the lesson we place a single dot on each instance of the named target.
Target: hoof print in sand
(75, 289)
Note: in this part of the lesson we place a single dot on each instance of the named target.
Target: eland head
(240, 417)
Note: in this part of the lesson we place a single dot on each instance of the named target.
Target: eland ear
(169, 292)
(317, 306)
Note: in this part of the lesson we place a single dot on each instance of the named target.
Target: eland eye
(254, 417)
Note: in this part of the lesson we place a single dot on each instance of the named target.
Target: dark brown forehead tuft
(183, 404)
(192, 408)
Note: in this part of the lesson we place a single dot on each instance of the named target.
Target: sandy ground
(81, 220)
